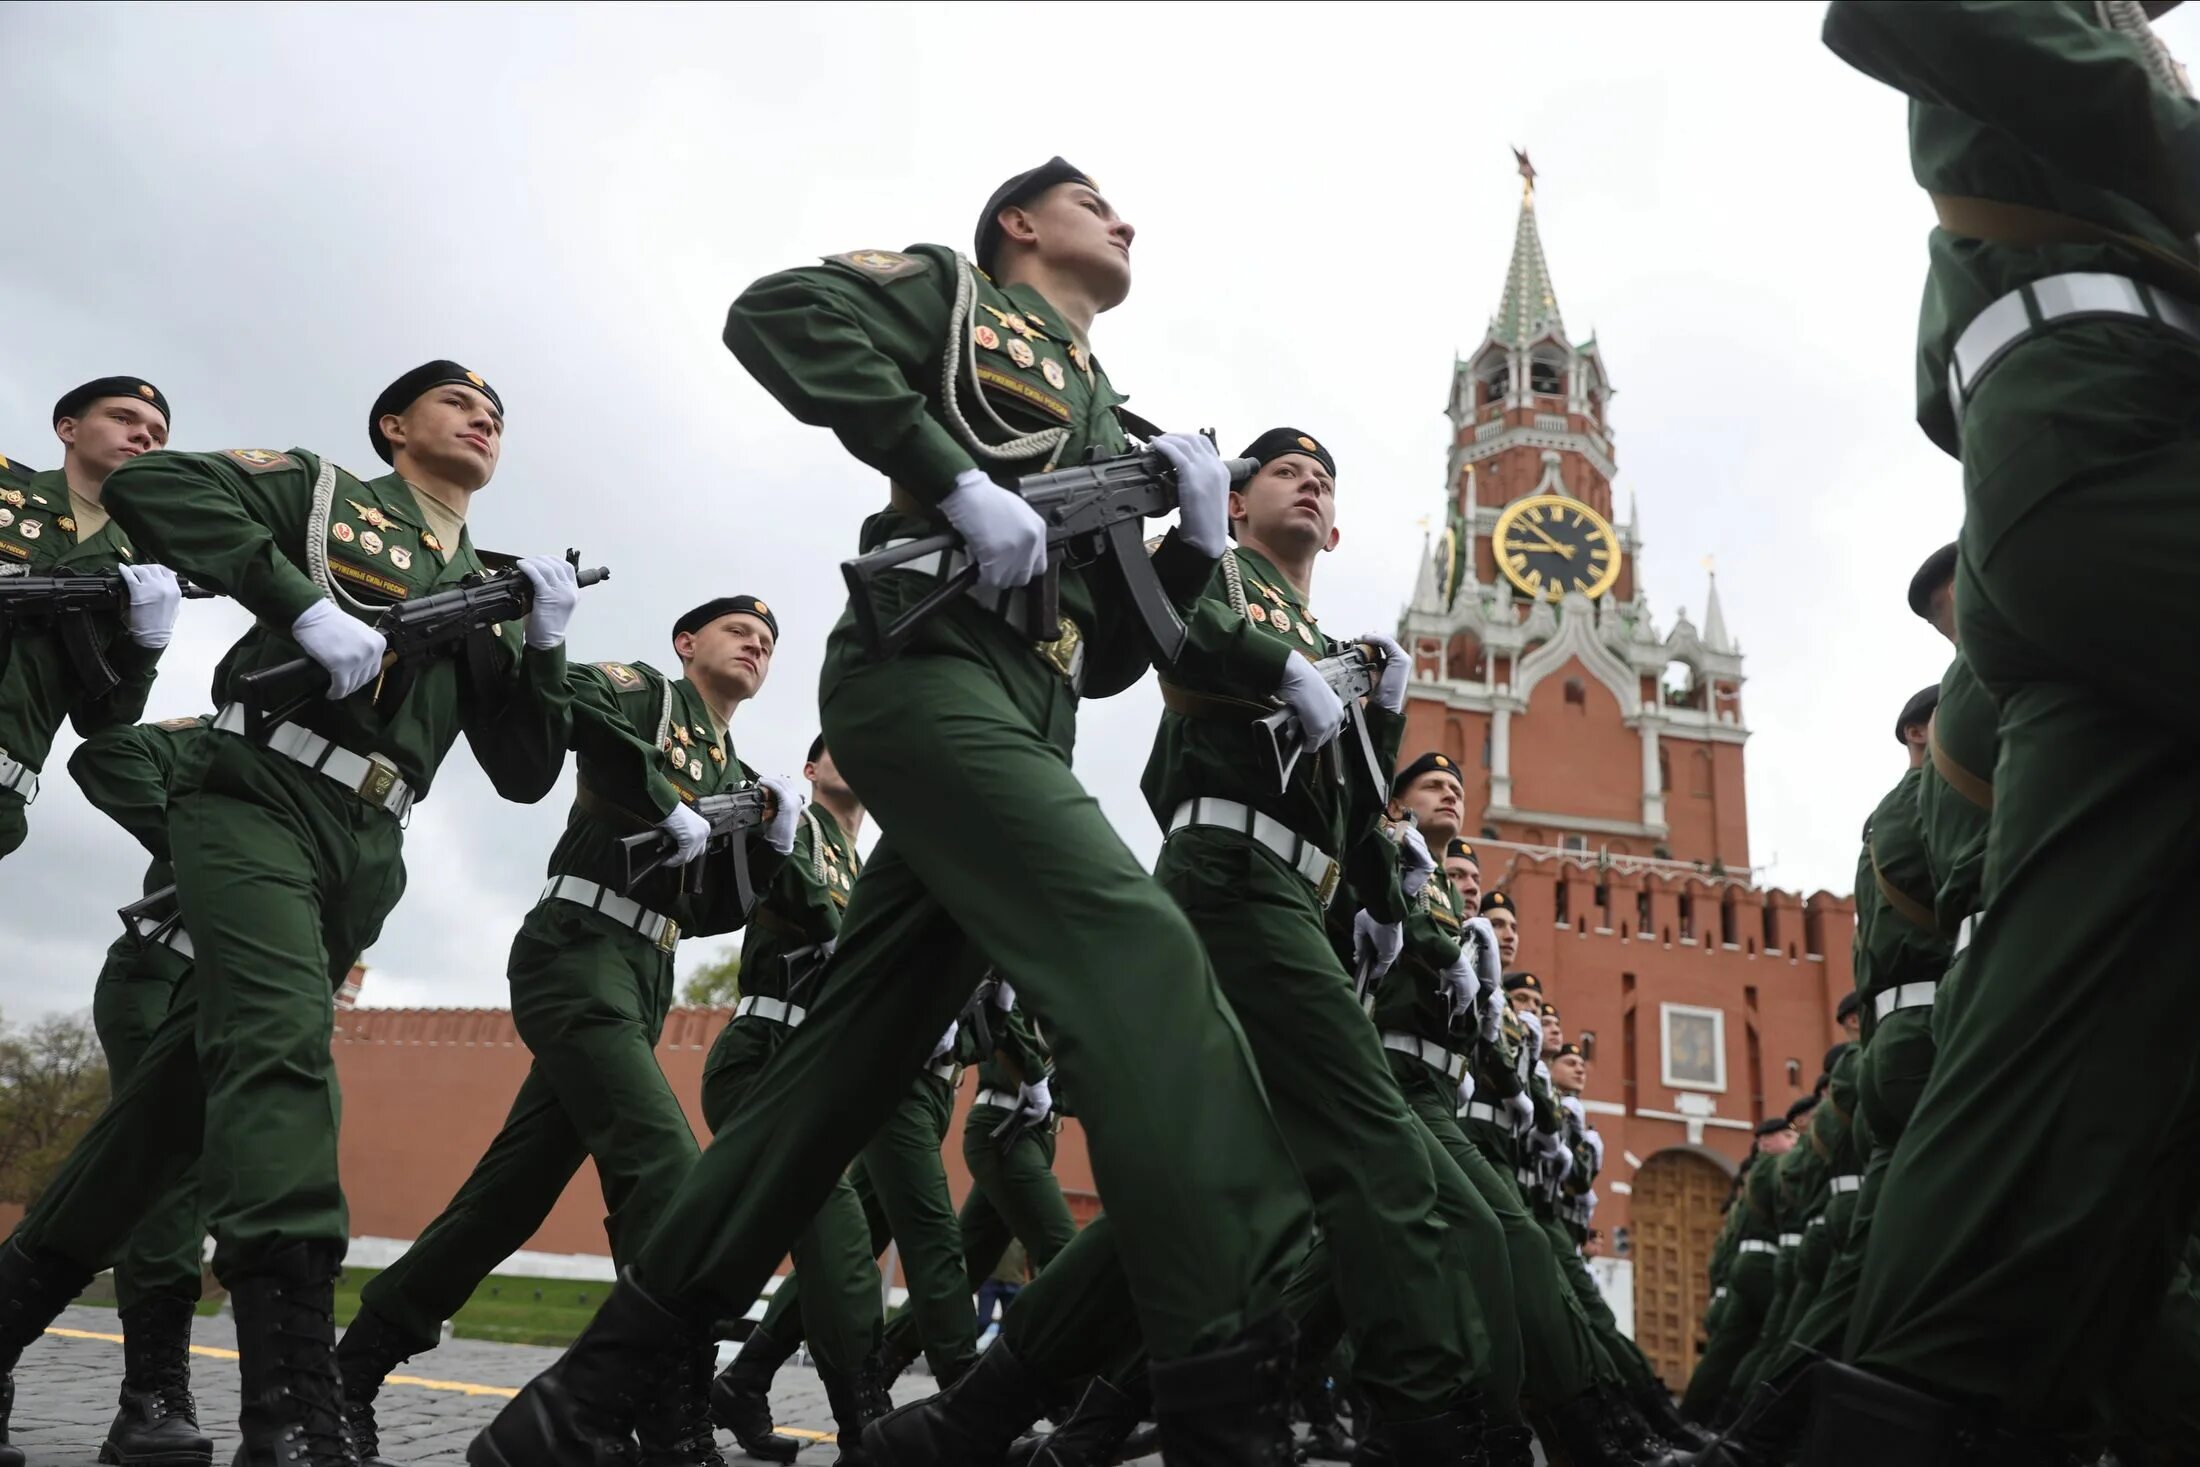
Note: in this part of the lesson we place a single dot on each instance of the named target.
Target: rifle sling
(1979, 792)
(1998, 222)
(1914, 911)
(1184, 701)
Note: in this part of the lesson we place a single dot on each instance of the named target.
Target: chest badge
(1052, 371)
(1020, 352)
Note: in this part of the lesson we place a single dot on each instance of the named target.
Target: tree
(53, 1084)
(717, 983)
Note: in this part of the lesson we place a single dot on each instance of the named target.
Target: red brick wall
(1575, 758)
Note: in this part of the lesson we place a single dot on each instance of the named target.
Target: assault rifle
(1353, 674)
(68, 604)
(1094, 510)
(415, 630)
(152, 916)
(731, 816)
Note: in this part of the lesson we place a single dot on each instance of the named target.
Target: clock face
(1549, 544)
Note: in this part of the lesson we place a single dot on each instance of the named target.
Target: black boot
(1232, 1406)
(35, 1286)
(1766, 1432)
(158, 1425)
(293, 1406)
(1633, 1434)
(1657, 1408)
(371, 1348)
(741, 1398)
(1509, 1446)
(970, 1424)
(857, 1401)
(581, 1411)
(1091, 1435)
(1451, 1438)
(1326, 1440)
(1585, 1435)
(1859, 1417)
(674, 1428)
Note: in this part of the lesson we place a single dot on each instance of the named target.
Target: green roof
(1530, 303)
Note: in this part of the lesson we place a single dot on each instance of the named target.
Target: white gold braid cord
(817, 844)
(2130, 18)
(962, 350)
(324, 497)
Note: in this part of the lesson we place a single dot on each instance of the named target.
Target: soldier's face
(451, 432)
(1071, 230)
(1466, 876)
(824, 777)
(1853, 1026)
(1507, 927)
(1570, 1073)
(1291, 503)
(1525, 1002)
(1778, 1143)
(1437, 799)
(112, 431)
(1554, 1033)
(735, 651)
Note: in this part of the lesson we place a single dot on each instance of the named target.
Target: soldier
(1748, 1281)
(592, 980)
(2059, 352)
(125, 774)
(56, 523)
(287, 860)
(996, 854)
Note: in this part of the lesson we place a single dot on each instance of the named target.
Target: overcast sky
(271, 212)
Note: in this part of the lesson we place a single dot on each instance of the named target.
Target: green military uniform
(995, 853)
(125, 773)
(592, 979)
(1833, 1181)
(39, 684)
(1754, 1245)
(284, 875)
(1620, 1363)
(1799, 1194)
(2077, 435)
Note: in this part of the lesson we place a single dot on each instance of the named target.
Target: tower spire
(1714, 615)
(1529, 303)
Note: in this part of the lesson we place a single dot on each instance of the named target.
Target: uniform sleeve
(204, 517)
(720, 909)
(1371, 866)
(123, 704)
(519, 733)
(1018, 1046)
(1122, 652)
(124, 773)
(616, 761)
(849, 354)
(2072, 92)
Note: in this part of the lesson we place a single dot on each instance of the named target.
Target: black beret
(1550, 1010)
(817, 745)
(1918, 710)
(1569, 1049)
(1021, 189)
(1850, 1003)
(1426, 764)
(1459, 847)
(74, 402)
(1937, 571)
(1494, 901)
(1277, 442)
(702, 616)
(1801, 1108)
(1773, 1125)
(407, 390)
(1519, 978)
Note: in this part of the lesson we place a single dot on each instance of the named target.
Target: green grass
(515, 1311)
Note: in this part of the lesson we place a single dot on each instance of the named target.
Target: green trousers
(589, 998)
(14, 822)
(995, 853)
(1620, 1363)
(2049, 1161)
(840, 1309)
(1748, 1294)
(284, 879)
(136, 987)
(902, 1190)
(1408, 1236)
(2153, 1403)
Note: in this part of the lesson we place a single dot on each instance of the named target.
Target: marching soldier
(287, 860)
(592, 980)
(56, 523)
(1748, 1280)
(996, 855)
(2059, 354)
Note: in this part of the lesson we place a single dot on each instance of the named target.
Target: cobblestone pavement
(65, 1395)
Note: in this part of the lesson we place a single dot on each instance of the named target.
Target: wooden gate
(1675, 1207)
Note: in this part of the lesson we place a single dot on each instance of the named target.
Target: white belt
(1435, 1056)
(1526, 1176)
(778, 1010)
(1757, 1245)
(18, 776)
(623, 910)
(1482, 1110)
(946, 1071)
(175, 937)
(1321, 870)
(1816, 1222)
(1903, 996)
(371, 777)
(1004, 1099)
(1967, 931)
(2025, 310)
(1790, 1240)
(1850, 1183)
(1007, 604)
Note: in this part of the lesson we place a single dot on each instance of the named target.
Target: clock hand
(1564, 550)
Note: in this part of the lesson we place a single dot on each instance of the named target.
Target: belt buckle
(381, 777)
(1065, 654)
(1326, 889)
(669, 938)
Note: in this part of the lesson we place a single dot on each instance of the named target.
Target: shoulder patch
(259, 460)
(621, 675)
(881, 264)
(174, 725)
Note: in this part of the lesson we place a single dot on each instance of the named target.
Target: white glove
(1004, 535)
(1459, 980)
(1390, 693)
(1571, 1104)
(1562, 1164)
(350, 649)
(1202, 491)
(1311, 700)
(1533, 1023)
(1034, 1102)
(787, 803)
(947, 1041)
(690, 832)
(155, 598)
(1493, 1016)
(1004, 994)
(1589, 1200)
(1414, 862)
(1552, 1144)
(1543, 1072)
(1595, 1139)
(557, 591)
(1489, 974)
(1376, 945)
(1522, 1110)
(1466, 1089)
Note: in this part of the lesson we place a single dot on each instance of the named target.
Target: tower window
(1494, 383)
(1577, 694)
(1546, 378)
